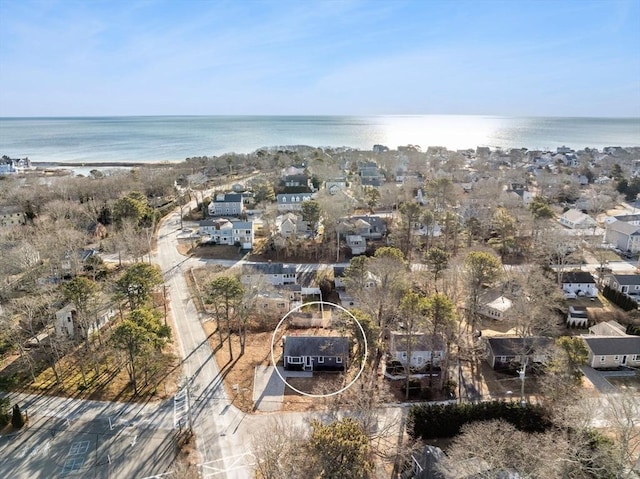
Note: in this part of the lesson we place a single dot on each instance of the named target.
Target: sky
(341, 57)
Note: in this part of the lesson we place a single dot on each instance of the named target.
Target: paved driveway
(268, 388)
(598, 380)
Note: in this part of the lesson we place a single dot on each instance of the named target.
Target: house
(507, 352)
(367, 226)
(11, 216)
(576, 219)
(369, 174)
(277, 274)
(425, 349)
(357, 244)
(608, 328)
(68, 326)
(316, 353)
(612, 351)
(497, 308)
(291, 201)
(338, 277)
(579, 283)
(628, 284)
(623, 235)
(334, 185)
(228, 232)
(296, 181)
(227, 204)
(577, 317)
(290, 225)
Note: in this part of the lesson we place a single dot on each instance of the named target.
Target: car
(187, 230)
(570, 295)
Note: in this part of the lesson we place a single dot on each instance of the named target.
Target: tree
(440, 315)
(263, 191)
(339, 450)
(409, 217)
(437, 260)
(226, 293)
(481, 268)
(17, 420)
(311, 214)
(134, 206)
(82, 293)
(277, 450)
(372, 197)
(504, 228)
(136, 336)
(137, 283)
(412, 310)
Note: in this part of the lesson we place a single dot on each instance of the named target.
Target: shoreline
(99, 164)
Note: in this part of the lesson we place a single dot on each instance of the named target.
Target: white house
(497, 309)
(334, 185)
(290, 225)
(357, 244)
(67, 325)
(228, 232)
(227, 204)
(292, 201)
(275, 273)
(418, 349)
(580, 283)
(576, 219)
(11, 216)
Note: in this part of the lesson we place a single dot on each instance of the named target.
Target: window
(616, 358)
(338, 360)
(502, 359)
(321, 359)
(635, 357)
(603, 359)
(294, 360)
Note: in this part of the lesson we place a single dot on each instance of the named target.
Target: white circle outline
(364, 358)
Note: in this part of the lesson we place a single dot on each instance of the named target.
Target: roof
(576, 216)
(229, 198)
(502, 346)
(421, 342)
(268, 268)
(316, 346)
(610, 328)
(501, 303)
(624, 227)
(626, 279)
(613, 345)
(578, 277)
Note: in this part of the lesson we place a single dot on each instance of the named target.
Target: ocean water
(174, 138)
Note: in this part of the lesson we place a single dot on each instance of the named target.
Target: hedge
(621, 299)
(438, 421)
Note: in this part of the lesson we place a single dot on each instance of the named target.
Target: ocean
(174, 138)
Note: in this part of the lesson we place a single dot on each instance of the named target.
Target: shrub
(437, 421)
(4, 412)
(17, 420)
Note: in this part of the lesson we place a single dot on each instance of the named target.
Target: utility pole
(522, 373)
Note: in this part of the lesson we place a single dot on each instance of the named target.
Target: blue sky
(240, 57)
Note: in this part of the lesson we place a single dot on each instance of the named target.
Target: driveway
(268, 388)
(598, 380)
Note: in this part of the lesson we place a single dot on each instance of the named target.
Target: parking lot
(52, 447)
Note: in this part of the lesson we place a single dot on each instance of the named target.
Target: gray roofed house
(613, 351)
(505, 352)
(275, 273)
(316, 353)
(623, 235)
(624, 283)
(227, 204)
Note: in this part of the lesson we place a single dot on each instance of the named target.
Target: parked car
(570, 295)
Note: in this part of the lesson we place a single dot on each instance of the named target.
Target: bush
(622, 300)
(437, 421)
(4, 412)
(17, 420)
